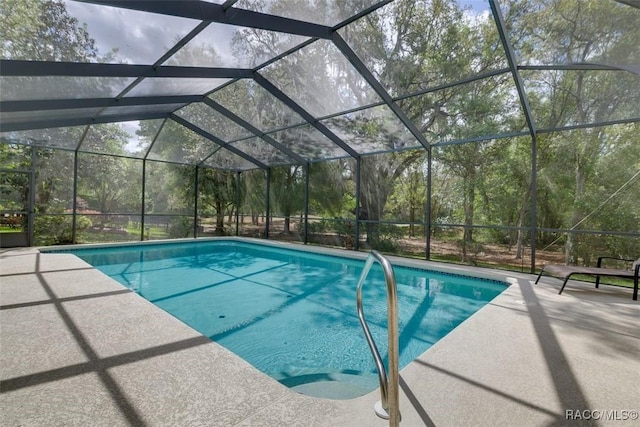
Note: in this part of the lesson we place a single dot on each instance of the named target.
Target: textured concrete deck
(78, 349)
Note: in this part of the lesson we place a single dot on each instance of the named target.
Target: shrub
(384, 237)
(180, 227)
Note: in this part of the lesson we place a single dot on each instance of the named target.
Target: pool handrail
(388, 407)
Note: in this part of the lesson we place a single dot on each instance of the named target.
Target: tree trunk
(219, 219)
(469, 201)
(412, 218)
(521, 219)
(571, 251)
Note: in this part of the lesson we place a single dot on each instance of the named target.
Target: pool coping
(527, 357)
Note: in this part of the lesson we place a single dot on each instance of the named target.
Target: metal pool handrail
(388, 407)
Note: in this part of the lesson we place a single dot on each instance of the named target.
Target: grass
(151, 233)
(7, 229)
(132, 234)
(612, 281)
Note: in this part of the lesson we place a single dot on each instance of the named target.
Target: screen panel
(372, 130)
(63, 137)
(564, 32)
(250, 101)
(229, 46)
(178, 144)
(321, 80)
(309, 143)
(561, 98)
(328, 13)
(413, 46)
(19, 88)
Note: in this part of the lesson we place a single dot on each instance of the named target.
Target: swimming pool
(292, 313)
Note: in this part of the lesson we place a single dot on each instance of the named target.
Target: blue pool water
(292, 314)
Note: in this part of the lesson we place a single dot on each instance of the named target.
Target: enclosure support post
(195, 204)
(144, 182)
(307, 170)
(144, 177)
(32, 198)
(427, 220)
(528, 115)
(356, 246)
(238, 203)
(267, 207)
(75, 184)
(534, 189)
(74, 205)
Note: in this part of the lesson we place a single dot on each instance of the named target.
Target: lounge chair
(566, 271)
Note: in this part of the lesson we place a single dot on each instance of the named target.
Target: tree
(410, 45)
(51, 168)
(42, 30)
(559, 32)
(254, 185)
(506, 191)
(110, 183)
(409, 196)
(217, 193)
(330, 187)
(288, 186)
(169, 189)
(14, 186)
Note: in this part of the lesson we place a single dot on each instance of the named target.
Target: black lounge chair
(566, 271)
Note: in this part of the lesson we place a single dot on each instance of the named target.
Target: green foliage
(287, 190)
(180, 227)
(408, 200)
(253, 185)
(378, 177)
(51, 168)
(331, 188)
(14, 186)
(384, 237)
(169, 188)
(316, 227)
(57, 229)
(110, 184)
(42, 30)
(418, 50)
(217, 192)
(52, 230)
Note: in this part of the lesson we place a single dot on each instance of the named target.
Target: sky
(139, 37)
(143, 38)
(476, 5)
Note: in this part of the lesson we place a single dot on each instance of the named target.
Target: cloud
(140, 37)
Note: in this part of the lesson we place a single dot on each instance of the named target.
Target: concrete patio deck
(78, 349)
